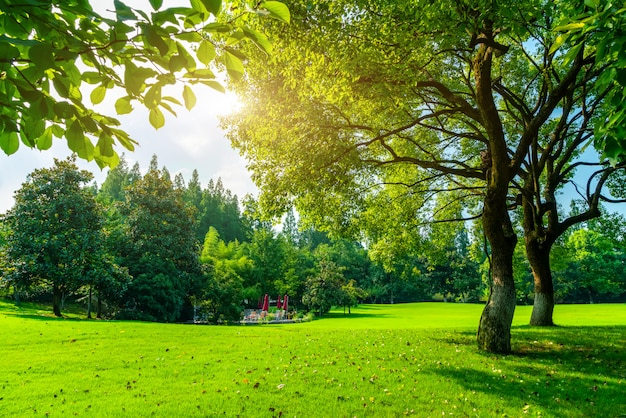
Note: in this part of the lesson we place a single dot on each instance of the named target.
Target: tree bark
(56, 301)
(494, 331)
(538, 255)
(89, 303)
(99, 305)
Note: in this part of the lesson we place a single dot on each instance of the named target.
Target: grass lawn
(392, 360)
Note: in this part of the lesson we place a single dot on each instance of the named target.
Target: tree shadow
(353, 315)
(562, 371)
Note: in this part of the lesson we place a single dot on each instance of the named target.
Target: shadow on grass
(353, 315)
(559, 371)
(43, 317)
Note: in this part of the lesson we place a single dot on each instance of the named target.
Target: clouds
(192, 140)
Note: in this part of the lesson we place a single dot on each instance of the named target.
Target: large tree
(453, 95)
(50, 48)
(55, 235)
(163, 255)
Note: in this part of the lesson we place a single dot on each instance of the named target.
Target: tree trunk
(539, 258)
(99, 307)
(16, 294)
(494, 331)
(56, 300)
(89, 303)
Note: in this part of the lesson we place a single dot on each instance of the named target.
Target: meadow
(380, 361)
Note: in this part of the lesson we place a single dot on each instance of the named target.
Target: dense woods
(149, 247)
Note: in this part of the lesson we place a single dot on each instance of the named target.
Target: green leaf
(177, 63)
(153, 97)
(123, 106)
(198, 5)
(91, 77)
(97, 95)
(41, 55)
(213, 6)
(156, 117)
(560, 40)
(172, 99)
(105, 145)
(61, 85)
(8, 52)
(259, 39)
(277, 10)
(217, 27)
(234, 66)
(570, 26)
(206, 52)
(201, 73)
(190, 62)
(156, 4)
(44, 142)
(155, 40)
(32, 128)
(9, 142)
(189, 97)
(123, 11)
(214, 85)
(572, 53)
(78, 142)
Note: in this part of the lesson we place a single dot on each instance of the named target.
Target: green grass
(414, 359)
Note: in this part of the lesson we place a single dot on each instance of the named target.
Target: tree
(50, 48)
(222, 294)
(452, 96)
(594, 269)
(324, 289)
(55, 235)
(163, 254)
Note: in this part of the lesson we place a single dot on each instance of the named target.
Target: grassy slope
(416, 359)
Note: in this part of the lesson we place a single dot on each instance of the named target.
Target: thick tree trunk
(539, 258)
(494, 331)
(56, 301)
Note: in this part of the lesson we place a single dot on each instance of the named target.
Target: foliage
(325, 289)
(163, 255)
(222, 294)
(406, 113)
(50, 49)
(594, 268)
(600, 25)
(55, 235)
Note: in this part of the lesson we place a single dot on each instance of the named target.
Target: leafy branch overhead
(49, 50)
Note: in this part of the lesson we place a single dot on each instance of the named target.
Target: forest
(156, 248)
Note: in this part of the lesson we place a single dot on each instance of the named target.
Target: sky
(192, 140)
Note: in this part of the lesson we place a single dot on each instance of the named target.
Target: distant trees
(130, 249)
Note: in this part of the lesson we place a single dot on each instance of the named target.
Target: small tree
(325, 289)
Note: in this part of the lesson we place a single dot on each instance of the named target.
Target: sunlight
(216, 103)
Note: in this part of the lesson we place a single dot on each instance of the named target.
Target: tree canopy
(432, 105)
